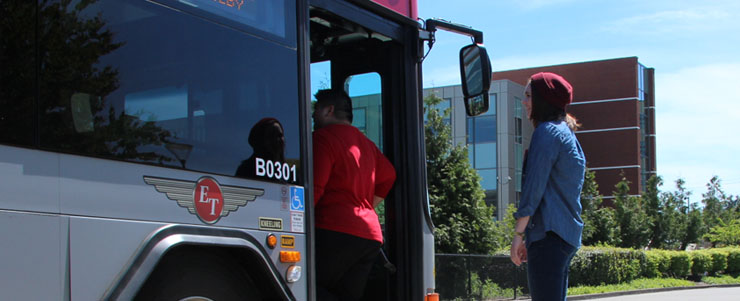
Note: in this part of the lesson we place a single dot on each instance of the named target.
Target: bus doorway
(372, 63)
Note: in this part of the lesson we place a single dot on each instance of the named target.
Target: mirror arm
(433, 24)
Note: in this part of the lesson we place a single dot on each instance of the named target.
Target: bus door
(373, 60)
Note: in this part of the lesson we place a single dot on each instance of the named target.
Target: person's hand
(518, 250)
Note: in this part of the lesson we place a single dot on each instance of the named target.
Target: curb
(649, 290)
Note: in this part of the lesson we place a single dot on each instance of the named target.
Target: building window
(485, 155)
(488, 178)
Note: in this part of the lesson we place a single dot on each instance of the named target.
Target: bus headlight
(293, 274)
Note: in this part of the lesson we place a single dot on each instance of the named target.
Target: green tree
(653, 206)
(692, 224)
(606, 229)
(725, 234)
(671, 223)
(599, 223)
(664, 212)
(590, 201)
(504, 229)
(714, 206)
(733, 206)
(634, 223)
(464, 223)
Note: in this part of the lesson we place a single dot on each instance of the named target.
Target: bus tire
(195, 274)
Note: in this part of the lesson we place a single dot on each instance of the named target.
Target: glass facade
(641, 82)
(642, 87)
(495, 139)
(518, 146)
(481, 139)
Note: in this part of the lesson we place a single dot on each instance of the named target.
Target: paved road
(710, 294)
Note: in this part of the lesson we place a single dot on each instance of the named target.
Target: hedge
(701, 262)
(597, 266)
(657, 265)
(719, 261)
(607, 265)
(733, 260)
(680, 264)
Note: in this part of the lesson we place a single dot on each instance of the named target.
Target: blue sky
(694, 47)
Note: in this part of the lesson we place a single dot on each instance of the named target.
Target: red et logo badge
(208, 200)
(205, 198)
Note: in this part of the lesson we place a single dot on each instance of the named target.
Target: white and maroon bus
(160, 149)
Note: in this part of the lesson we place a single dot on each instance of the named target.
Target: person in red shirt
(351, 177)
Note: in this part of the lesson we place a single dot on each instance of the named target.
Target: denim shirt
(551, 188)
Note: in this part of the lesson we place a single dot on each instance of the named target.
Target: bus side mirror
(475, 72)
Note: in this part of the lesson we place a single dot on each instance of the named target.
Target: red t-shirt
(349, 170)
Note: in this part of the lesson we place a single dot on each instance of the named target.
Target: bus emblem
(205, 198)
(209, 204)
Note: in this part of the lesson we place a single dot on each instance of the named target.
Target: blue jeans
(548, 261)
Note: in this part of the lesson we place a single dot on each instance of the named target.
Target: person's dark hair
(543, 111)
(339, 99)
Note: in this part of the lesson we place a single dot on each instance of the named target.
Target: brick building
(615, 101)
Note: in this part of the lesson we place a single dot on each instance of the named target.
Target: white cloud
(686, 21)
(697, 129)
(537, 4)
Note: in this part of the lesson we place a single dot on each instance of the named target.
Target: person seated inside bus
(351, 177)
(268, 144)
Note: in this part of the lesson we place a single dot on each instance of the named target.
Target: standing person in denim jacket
(549, 225)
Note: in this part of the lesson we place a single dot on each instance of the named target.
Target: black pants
(343, 263)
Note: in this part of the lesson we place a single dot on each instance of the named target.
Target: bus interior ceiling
(332, 37)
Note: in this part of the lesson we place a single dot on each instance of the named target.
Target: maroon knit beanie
(552, 88)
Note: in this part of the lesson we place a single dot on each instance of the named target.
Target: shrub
(657, 264)
(733, 260)
(680, 264)
(719, 261)
(701, 262)
(595, 266)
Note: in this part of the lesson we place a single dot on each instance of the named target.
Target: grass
(638, 284)
(724, 279)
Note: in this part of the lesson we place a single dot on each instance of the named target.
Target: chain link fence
(479, 277)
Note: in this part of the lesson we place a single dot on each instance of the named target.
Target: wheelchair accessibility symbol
(297, 202)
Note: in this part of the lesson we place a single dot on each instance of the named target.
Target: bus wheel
(198, 275)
